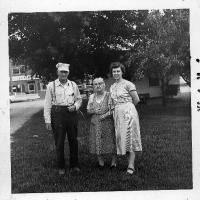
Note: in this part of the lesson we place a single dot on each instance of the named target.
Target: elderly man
(62, 102)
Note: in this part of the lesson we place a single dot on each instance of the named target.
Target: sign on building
(22, 77)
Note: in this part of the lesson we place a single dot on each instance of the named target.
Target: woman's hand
(93, 110)
(102, 117)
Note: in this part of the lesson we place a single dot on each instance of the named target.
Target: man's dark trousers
(64, 122)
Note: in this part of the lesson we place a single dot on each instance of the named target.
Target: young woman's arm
(135, 97)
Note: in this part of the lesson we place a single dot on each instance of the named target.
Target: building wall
(175, 80)
(22, 82)
(26, 86)
(183, 86)
(155, 91)
(178, 80)
(143, 87)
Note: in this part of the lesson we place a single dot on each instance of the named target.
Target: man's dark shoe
(100, 166)
(76, 169)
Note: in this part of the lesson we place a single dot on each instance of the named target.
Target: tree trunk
(163, 88)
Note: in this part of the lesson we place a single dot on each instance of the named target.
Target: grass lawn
(165, 163)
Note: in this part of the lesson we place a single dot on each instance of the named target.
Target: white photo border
(91, 5)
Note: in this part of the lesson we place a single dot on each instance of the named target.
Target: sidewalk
(21, 112)
(23, 97)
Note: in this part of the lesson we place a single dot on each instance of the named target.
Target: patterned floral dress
(127, 128)
(102, 132)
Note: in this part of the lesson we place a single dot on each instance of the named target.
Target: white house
(151, 87)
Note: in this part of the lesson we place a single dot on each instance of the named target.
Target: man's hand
(72, 108)
(48, 126)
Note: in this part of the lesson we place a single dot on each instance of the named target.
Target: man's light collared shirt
(64, 95)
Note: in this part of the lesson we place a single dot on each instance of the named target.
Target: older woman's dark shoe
(100, 166)
(113, 166)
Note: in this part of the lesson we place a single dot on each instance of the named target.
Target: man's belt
(58, 108)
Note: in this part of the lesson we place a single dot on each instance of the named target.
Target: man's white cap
(63, 67)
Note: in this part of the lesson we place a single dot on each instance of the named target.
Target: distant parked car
(16, 97)
(85, 90)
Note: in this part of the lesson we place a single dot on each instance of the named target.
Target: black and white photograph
(100, 100)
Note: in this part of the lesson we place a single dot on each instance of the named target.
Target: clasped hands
(72, 108)
(103, 116)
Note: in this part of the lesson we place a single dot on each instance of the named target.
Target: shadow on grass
(165, 163)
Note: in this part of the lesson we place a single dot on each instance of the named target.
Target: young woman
(127, 129)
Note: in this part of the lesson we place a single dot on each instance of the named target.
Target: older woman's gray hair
(98, 79)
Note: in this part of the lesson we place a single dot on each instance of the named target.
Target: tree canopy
(145, 41)
(167, 49)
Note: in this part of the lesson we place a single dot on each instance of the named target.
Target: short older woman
(101, 136)
(124, 99)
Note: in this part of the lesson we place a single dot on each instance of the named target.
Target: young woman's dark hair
(114, 65)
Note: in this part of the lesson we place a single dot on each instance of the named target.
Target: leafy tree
(108, 35)
(43, 39)
(88, 40)
(166, 51)
(146, 42)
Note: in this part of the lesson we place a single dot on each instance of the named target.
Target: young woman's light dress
(127, 128)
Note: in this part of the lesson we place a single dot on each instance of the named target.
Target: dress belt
(120, 103)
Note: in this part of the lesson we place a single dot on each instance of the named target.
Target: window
(16, 71)
(153, 81)
(23, 88)
(16, 88)
(31, 87)
(38, 85)
(22, 69)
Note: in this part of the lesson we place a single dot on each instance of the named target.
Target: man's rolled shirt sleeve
(78, 98)
(48, 104)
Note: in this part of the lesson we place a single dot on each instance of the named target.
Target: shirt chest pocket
(64, 95)
(59, 95)
(69, 97)
(61, 92)
(69, 92)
